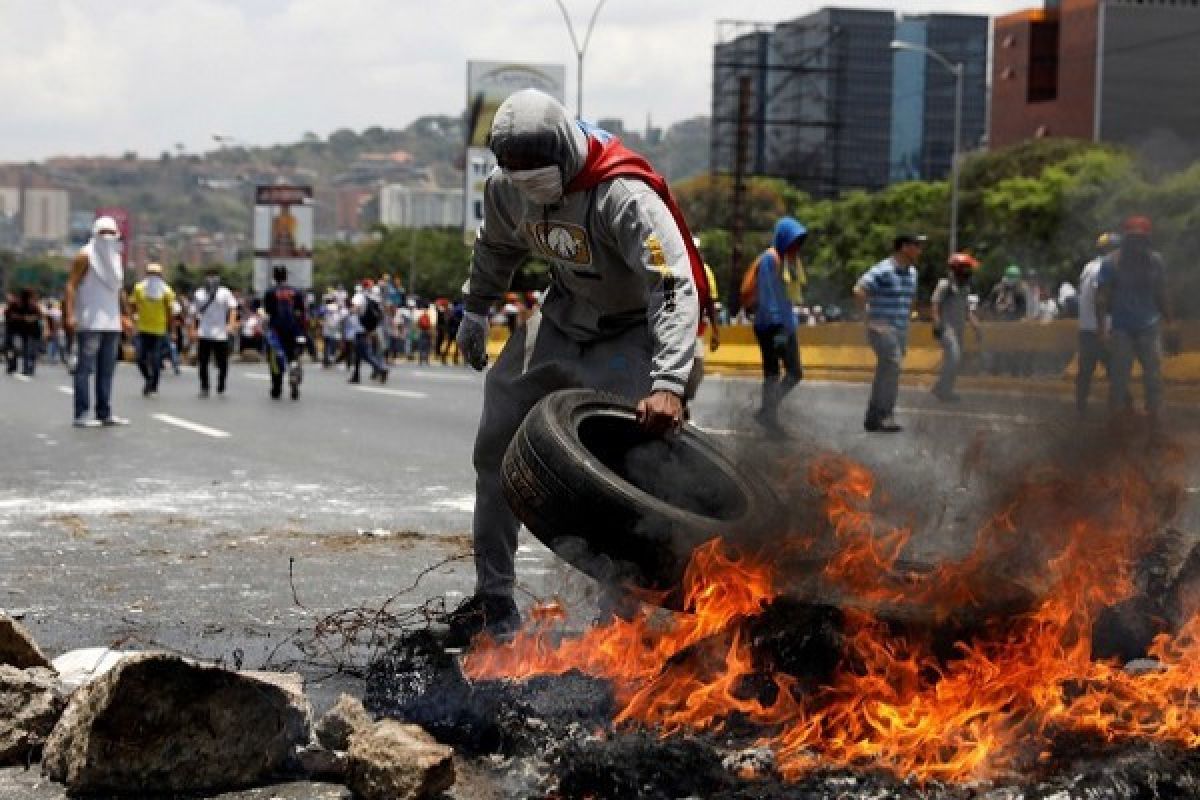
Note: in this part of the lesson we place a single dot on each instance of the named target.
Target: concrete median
(1012, 353)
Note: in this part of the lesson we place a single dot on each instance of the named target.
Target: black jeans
(219, 350)
(778, 348)
(150, 352)
(364, 352)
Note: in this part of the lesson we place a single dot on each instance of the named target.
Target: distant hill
(212, 191)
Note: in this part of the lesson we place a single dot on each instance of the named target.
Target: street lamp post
(580, 51)
(957, 71)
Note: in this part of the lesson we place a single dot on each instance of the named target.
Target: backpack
(371, 316)
(423, 321)
(748, 292)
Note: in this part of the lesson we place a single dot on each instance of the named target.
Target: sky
(103, 77)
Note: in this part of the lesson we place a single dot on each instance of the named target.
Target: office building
(1118, 71)
(420, 207)
(829, 105)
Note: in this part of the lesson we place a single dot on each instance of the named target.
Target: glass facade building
(835, 108)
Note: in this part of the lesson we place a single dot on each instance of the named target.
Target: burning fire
(995, 708)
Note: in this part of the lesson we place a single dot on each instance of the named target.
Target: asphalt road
(224, 527)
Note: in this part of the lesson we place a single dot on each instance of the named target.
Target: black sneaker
(494, 615)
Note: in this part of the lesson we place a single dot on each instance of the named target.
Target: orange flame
(993, 709)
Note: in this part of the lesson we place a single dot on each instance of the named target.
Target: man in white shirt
(215, 319)
(1091, 345)
(92, 307)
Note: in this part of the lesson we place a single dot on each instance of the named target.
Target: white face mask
(542, 186)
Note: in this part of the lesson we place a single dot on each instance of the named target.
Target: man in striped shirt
(887, 290)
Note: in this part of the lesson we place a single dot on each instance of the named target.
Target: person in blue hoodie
(775, 319)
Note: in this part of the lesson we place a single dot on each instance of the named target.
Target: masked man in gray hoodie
(620, 314)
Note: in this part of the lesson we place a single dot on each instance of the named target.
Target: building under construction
(824, 102)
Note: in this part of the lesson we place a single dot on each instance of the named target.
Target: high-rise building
(1117, 71)
(826, 103)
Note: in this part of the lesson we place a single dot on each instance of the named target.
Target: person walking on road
(24, 324)
(152, 303)
(215, 320)
(92, 306)
(368, 314)
(284, 307)
(620, 315)
(951, 313)
(775, 320)
(1091, 349)
(887, 290)
(1132, 286)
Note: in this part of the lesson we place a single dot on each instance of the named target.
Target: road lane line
(719, 431)
(195, 427)
(393, 392)
(256, 376)
(1016, 419)
(66, 390)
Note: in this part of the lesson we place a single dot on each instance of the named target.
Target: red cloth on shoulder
(611, 159)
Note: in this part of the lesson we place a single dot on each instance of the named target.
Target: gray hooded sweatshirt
(617, 257)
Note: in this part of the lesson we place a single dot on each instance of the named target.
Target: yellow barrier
(841, 347)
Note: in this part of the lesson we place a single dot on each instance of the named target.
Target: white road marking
(393, 392)
(256, 376)
(1016, 419)
(432, 376)
(195, 427)
(719, 431)
(66, 390)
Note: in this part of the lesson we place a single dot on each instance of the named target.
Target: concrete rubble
(131, 723)
(17, 647)
(395, 761)
(31, 702)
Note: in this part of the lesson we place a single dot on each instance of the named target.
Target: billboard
(283, 234)
(488, 84)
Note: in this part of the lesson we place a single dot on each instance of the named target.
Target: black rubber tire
(605, 525)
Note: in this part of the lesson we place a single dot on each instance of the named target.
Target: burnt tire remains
(621, 505)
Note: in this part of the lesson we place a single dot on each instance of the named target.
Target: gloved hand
(472, 339)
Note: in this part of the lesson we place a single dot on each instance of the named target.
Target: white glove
(472, 339)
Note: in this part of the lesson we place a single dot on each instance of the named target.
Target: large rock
(158, 723)
(346, 718)
(77, 667)
(31, 702)
(394, 761)
(17, 647)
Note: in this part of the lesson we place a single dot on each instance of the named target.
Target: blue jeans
(97, 354)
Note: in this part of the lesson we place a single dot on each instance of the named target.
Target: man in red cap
(1132, 287)
(951, 313)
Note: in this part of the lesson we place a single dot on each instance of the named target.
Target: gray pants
(889, 354)
(1146, 347)
(951, 342)
(538, 359)
(1091, 353)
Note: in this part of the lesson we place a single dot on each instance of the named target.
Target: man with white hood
(92, 306)
(153, 302)
(620, 315)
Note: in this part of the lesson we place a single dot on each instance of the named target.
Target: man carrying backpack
(764, 291)
(370, 314)
(284, 307)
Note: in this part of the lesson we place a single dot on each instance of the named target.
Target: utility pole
(580, 52)
(739, 185)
